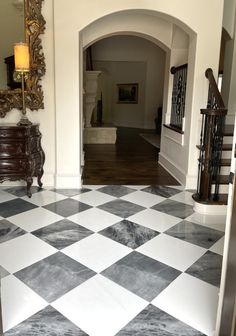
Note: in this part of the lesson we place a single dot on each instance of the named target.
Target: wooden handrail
(220, 112)
(174, 69)
(210, 76)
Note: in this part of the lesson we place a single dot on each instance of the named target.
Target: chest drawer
(12, 148)
(17, 166)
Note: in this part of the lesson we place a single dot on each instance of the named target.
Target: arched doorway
(124, 140)
(138, 27)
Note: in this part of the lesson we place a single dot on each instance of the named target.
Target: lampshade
(21, 53)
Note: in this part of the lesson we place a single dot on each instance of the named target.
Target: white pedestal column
(91, 86)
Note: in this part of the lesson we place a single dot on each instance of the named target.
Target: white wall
(47, 117)
(229, 17)
(118, 72)
(131, 59)
(11, 32)
(61, 119)
(182, 12)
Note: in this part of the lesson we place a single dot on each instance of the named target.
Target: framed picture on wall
(127, 93)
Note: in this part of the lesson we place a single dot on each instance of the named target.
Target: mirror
(21, 20)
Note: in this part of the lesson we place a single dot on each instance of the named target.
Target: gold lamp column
(22, 67)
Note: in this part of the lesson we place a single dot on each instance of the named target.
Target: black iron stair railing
(211, 145)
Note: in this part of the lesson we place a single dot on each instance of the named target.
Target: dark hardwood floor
(131, 161)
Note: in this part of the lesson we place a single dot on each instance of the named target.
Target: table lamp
(22, 67)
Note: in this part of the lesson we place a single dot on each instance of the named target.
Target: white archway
(68, 70)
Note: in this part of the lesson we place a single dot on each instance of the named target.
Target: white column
(91, 86)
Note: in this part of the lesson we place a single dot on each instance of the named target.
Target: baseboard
(210, 209)
(68, 181)
(48, 180)
(172, 168)
(191, 182)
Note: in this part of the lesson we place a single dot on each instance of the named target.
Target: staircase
(215, 150)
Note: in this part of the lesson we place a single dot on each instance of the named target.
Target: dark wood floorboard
(132, 160)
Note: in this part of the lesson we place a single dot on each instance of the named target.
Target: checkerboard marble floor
(108, 260)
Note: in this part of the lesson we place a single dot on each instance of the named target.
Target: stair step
(224, 179)
(225, 162)
(227, 147)
(229, 130)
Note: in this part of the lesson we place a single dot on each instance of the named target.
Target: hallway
(108, 260)
(132, 160)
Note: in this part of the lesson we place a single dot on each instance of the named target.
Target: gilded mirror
(24, 22)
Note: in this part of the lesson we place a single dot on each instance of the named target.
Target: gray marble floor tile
(116, 190)
(121, 208)
(130, 234)
(207, 268)
(21, 191)
(195, 234)
(67, 207)
(47, 322)
(3, 272)
(71, 192)
(155, 322)
(161, 191)
(62, 234)
(141, 275)
(15, 207)
(54, 276)
(9, 231)
(174, 208)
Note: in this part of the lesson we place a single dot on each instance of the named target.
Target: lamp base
(24, 121)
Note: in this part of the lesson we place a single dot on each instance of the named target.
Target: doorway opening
(123, 143)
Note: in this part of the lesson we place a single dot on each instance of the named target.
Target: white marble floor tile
(18, 253)
(5, 196)
(18, 302)
(95, 219)
(94, 198)
(99, 306)
(34, 219)
(44, 198)
(97, 252)
(192, 301)
(138, 187)
(143, 198)
(215, 222)
(183, 197)
(179, 187)
(172, 251)
(156, 220)
(92, 187)
(218, 247)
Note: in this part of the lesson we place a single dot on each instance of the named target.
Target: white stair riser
(226, 154)
(228, 140)
(224, 170)
(224, 188)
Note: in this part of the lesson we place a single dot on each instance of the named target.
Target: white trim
(48, 180)
(172, 168)
(68, 181)
(206, 209)
(173, 136)
(191, 182)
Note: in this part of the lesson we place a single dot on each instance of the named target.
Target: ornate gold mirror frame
(34, 27)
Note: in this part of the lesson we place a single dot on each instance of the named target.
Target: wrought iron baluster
(178, 96)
